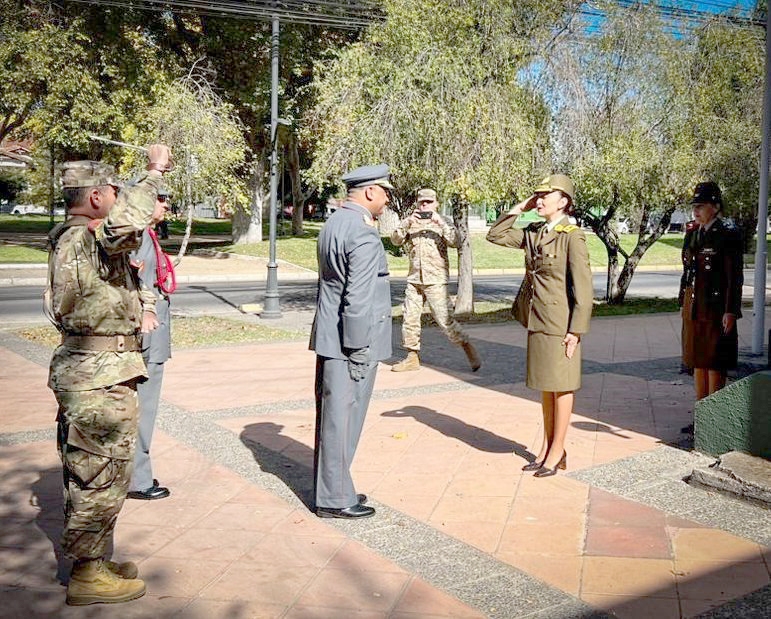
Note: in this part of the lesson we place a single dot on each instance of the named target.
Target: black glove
(358, 363)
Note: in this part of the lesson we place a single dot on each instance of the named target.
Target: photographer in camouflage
(95, 301)
(427, 236)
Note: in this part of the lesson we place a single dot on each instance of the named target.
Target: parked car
(623, 227)
(28, 209)
(31, 209)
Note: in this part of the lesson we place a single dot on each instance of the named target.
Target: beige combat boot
(412, 362)
(473, 357)
(127, 569)
(92, 583)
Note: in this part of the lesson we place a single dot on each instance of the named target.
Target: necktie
(700, 237)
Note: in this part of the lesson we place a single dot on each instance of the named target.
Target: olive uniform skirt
(548, 368)
(705, 346)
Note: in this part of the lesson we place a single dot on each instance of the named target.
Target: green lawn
(193, 332)
(302, 250)
(21, 254)
(487, 312)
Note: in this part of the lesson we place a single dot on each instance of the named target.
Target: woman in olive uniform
(710, 292)
(554, 304)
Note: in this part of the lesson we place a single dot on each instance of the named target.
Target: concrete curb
(739, 474)
(298, 273)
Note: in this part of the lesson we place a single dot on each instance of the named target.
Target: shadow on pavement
(474, 436)
(265, 440)
(47, 495)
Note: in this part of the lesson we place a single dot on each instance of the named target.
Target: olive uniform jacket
(712, 272)
(557, 293)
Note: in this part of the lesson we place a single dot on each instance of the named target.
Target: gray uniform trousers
(341, 406)
(149, 392)
(156, 349)
(353, 313)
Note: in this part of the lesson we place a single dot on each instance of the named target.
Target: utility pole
(761, 252)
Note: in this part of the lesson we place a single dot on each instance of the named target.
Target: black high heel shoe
(547, 472)
(533, 466)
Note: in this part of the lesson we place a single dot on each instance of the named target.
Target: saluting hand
(570, 343)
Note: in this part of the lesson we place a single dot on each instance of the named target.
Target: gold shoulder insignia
(568, 228)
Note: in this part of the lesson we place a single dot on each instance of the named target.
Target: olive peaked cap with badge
(557, 182)
(368, 175)
(88, 174)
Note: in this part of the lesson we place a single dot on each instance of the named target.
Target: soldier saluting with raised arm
(94, 300)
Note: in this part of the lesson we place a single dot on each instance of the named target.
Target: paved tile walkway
(460, 530)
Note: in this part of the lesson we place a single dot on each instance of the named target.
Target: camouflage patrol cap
(426, 195)
(557, 182)
(88, 174)
(164, 192)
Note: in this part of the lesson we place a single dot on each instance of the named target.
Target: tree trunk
(464, 303)
(611, 285)
(247, 224)
(295, 177)
(645, 240)
(190, 208)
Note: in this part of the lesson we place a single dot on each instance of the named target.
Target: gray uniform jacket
(156, 345)
(353, 305)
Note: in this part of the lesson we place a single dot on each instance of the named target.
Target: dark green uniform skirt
(548, 369)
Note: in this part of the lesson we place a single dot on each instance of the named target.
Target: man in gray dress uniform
(156, 350)
(351, 333)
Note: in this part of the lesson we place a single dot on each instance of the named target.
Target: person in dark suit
(156, 350)
(351, 332)
(554, 304)
(710, 292)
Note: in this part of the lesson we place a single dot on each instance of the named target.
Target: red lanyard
(167, 280)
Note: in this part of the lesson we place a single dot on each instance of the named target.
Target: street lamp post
(271, 308)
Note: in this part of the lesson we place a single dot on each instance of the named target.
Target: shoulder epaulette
(568, 228)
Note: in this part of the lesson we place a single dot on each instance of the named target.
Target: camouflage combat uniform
(96, 303)
(426, 243)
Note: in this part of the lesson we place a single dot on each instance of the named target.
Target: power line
(353, 14)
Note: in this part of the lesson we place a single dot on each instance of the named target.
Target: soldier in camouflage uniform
(427, 236)
(96, 303)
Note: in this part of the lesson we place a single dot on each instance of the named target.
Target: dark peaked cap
(368, 175)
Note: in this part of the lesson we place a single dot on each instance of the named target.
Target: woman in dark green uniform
(554, 304)
(710, 292)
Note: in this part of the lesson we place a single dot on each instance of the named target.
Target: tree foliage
(207, 141)
(725, 114)
(636, 123)
(435, 93)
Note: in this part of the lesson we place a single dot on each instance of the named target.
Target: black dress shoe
(354, 511)
(156, 492)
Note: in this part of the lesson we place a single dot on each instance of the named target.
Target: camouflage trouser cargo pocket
(97, 434)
